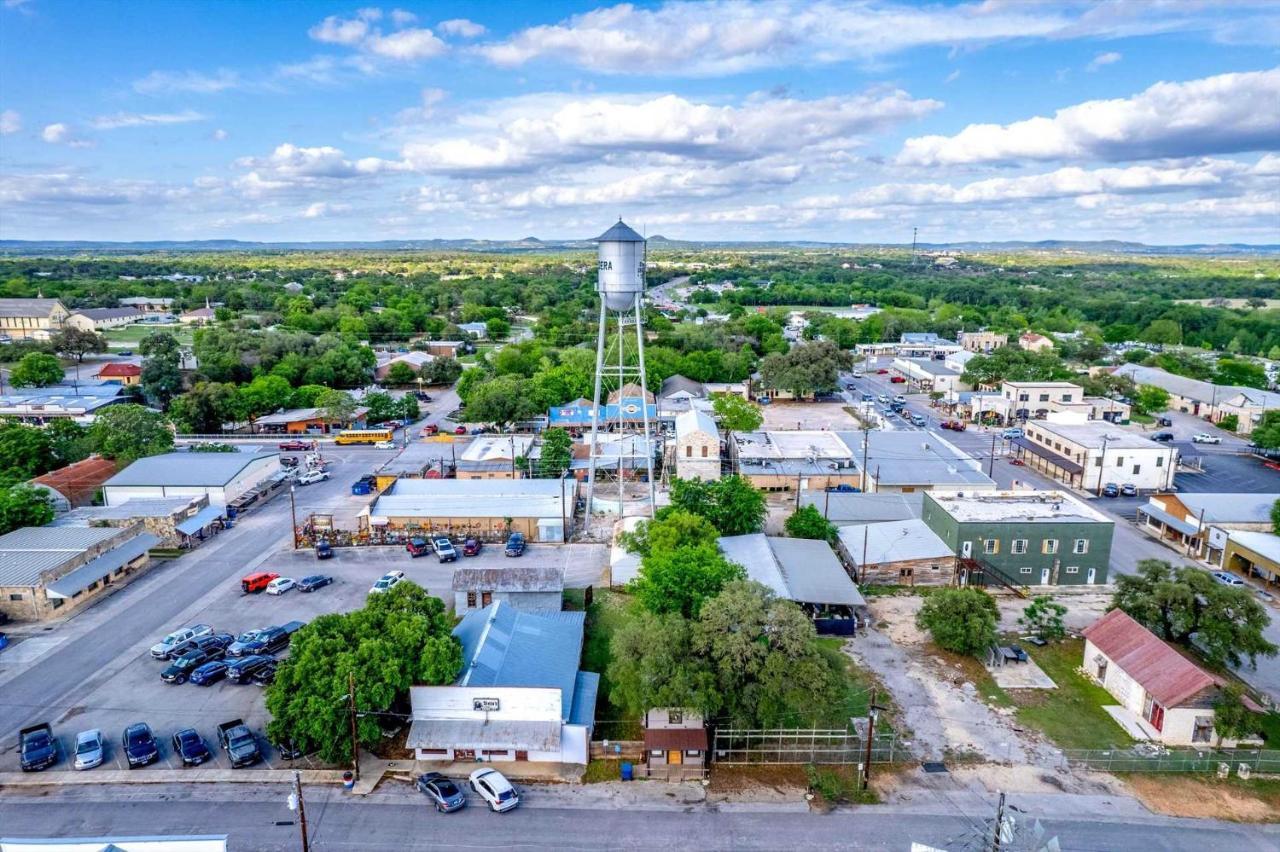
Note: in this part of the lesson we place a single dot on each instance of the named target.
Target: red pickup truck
(297, 445)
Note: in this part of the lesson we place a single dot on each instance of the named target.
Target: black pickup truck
(239, 743)
(39, 748)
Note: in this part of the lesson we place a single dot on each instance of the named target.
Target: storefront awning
(1052, 458)
(1170, 521)
(76, 581)
(200, 520)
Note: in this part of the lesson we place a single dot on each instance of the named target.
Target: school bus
(362, 436)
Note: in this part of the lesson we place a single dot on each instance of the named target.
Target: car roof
(84, 736)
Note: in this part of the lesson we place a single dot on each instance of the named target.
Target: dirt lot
(1239, 801)
(808, 415)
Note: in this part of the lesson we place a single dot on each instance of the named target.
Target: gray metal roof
(621, 232)
(1246, 508)
(107, 313)
(493, 733)
(1262, 543)
(1180, 524)
(695, 420)
(188, 469)
(140, 507)
(473, 498)
(916, 458)
(676, 383)
(1194, 388)
(79, 579)
(928, 365)
(26, 553)
(512, 578)
(27, 307)
(796, 569)
(502, 646)
(893, 541)
(839, 507)
(200, 520)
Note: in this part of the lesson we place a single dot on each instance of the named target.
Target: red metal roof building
(77, 482)
(1164, 673)
(124, 373)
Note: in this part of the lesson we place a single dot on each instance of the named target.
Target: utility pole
(564, 513)
(991, 464)
(995, 835)
(872, 710)
(826, 503)
(877, 482)
(513, 456)
(799, 474)
(355, 743)
(866, 441)
(296, 803)
(1102, 464)
(293, 515)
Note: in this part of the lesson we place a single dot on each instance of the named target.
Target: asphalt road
(258, 820)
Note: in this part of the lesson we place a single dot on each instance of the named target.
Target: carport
(1169, 527)
(100, 569)
(1049, 463)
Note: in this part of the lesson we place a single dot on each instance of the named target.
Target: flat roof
(1093, 433)
(491, 448)
(928, 365)
(188, 469)
(843, 507)
(1262, 543)
(800, 444)
(510, 578)
(1229, 508)
(472, 498)
(1018, 506)
(916, 458)
(796, 569)
(893, 541)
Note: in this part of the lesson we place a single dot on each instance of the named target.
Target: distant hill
(535, 244)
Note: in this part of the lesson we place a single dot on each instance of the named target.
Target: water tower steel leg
(644, 405)
(620, 429)
(595, 410)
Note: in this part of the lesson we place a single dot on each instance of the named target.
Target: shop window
(991, 545)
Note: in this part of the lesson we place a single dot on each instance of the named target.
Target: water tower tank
(621, 266)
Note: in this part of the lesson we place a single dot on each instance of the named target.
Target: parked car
(91, 749)
(1128, 490)
(418, 547)
(1226, 578)
(919, 419)
(444, 548)
(294, 446)
(1011, 433)
(256, 582)
(38, 747)
(515, 545)
(1164, 421)
(900, 399)
(324, 550)
(140, 747)
(883, 399)
(1163, 437)
(385, 445)
(164, 649)
(954, 425)
(191, 747)
(315, 581)
(180, 669)
(209, 673)
(866, 397)
(897, 380)
(1111, 490)
(280, 585)
(460, 430)
(266, 640)
(243, 669)
(850, 386)
(430, 429)
(446, 795)
(311, 477)
(215, 644)
(424, 397)
(386, 582)
(495, 789)
(265, 675)
(1206, 438)
(882, 371)
(472, 547)
(857, 374)
(239, 743)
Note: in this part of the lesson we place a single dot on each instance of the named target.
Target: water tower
(624, 422)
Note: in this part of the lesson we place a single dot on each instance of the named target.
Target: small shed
(528, 588)
(801, 570)
(906, 553)
(676, 744)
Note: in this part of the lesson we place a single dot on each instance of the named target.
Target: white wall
(516, 704)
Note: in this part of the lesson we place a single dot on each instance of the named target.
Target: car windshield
(173, 638)
(383, 583)
(506, 795)
(86, 746)
(249, 636)
(136, 736)
(447, 788)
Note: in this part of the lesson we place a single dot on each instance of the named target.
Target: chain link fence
(1159, 759)
(818, 746)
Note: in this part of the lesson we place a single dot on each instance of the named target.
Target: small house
(676, 743)
(697, 446)
(121, 373)
(527, 587)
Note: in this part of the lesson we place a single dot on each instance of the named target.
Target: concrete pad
(1133, 725)
(1026, 675)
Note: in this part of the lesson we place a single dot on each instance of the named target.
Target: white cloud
(134, 119)
(167, 82)
(335, 30)
(55, 134)
(292, 168)
(953, 76)
(403, 17)
(10, 122)
(408, 45)
(461, 27)
(220, 135)
(729, 36)
(320, 209)
(1216, 115)
(528, 133)
(1103, 59)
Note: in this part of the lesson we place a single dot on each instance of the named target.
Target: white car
(900, 399)
(857, 374)
(385, 445)
(311, 477)
(280, 585)
(1205, 438)
(386, 582)
(495, 789)
(166, 646)
(1227, 579)
(91, 748)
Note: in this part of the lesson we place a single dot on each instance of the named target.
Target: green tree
(807, 522)
(407, 407)
(205, 408)
(497, 328)
(25, 451)
(68, 440)
(672, 528)
(1275, 517)
(336, 406)
(960, 620)
(1011, 364)
(1162, 331)
(1185, 604)
(1150, 399)
(400, 638)
(500, 400)
(557, 453)
(1043, 618)
(1231, 719)
(382, 407)
(471, 380)
(652, 664)
(803, 370)
(24, 505)
(1231, 371)
(680, 579)
(161, 379)
(441, 371)
(36, 369)
(400, 374)
(735, 413)
(77, 343)
(129, 432)
(732, 504)
(1267, 433)
(263, 395)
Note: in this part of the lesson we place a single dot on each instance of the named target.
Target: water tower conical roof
(621, 232)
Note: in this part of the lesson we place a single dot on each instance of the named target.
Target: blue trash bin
(626, 771)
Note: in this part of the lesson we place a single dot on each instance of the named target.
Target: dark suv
(140, 745)
(268, 640)
(180, 669)
(214, 645)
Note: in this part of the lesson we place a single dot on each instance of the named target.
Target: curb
(167, 776)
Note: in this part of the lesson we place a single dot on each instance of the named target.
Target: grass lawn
(1144, 419)
(135, 333)
(1071, 715)
(608, 612)
(856, 692)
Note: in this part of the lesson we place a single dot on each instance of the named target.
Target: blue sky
(829, 119)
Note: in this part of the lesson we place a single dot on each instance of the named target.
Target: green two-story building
(1032, 538)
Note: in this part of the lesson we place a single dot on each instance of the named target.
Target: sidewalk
(167, 776)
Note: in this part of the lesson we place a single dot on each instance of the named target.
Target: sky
(841, 120)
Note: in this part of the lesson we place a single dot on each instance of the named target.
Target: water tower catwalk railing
(620, 283)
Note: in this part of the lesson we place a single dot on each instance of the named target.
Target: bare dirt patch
(808, 415)
(758, 783)
(1252, 801)
(1083, 609)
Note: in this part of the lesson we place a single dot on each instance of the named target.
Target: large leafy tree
(807, 522)
(557, 453)
(1187, 606)
(732, 504)
(76, 343)
(735, 413)
(1011, 364)
(1150, 399)
(68, 440)
(36, 369)
(24, 505)
(652, 664)
(504, 399)
(263, 395)
(206, 407)
(672, 528)
(24, 452)
(807, 369)
(336, 406)
(1232, 371)
(400, 638)
(682, 578)
(400, 374)
(441, 371)
(960, 620)
(129, 432)
(161, 378)
(1267, 433)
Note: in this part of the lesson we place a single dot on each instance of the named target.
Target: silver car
(91, 748)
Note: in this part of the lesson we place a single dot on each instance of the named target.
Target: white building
(221, 476)
(520, 697)
(1091, 454)
(697, 448)
(928, 374)
(97, 319)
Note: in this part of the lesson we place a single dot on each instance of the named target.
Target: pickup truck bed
(239, 743)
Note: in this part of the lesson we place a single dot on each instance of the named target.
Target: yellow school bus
(362, 436)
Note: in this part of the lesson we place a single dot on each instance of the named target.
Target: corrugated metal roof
(78, 481)
(515, 578)
(188, 469)
(1194, 388)
(27, 307)
(1168, 676)
(1245, 508)
(472, 498)
(796, 569)
(695, 420)
(621, 232)
(677, 383)
(100, 566)
(1262, 543)
(893, 541)
(915, 458)
(502, 646)
(493, 733)
(585, 689)
(27, 552)
(684, 739)
(1188, 527)
(841, 507)
(200, 520)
